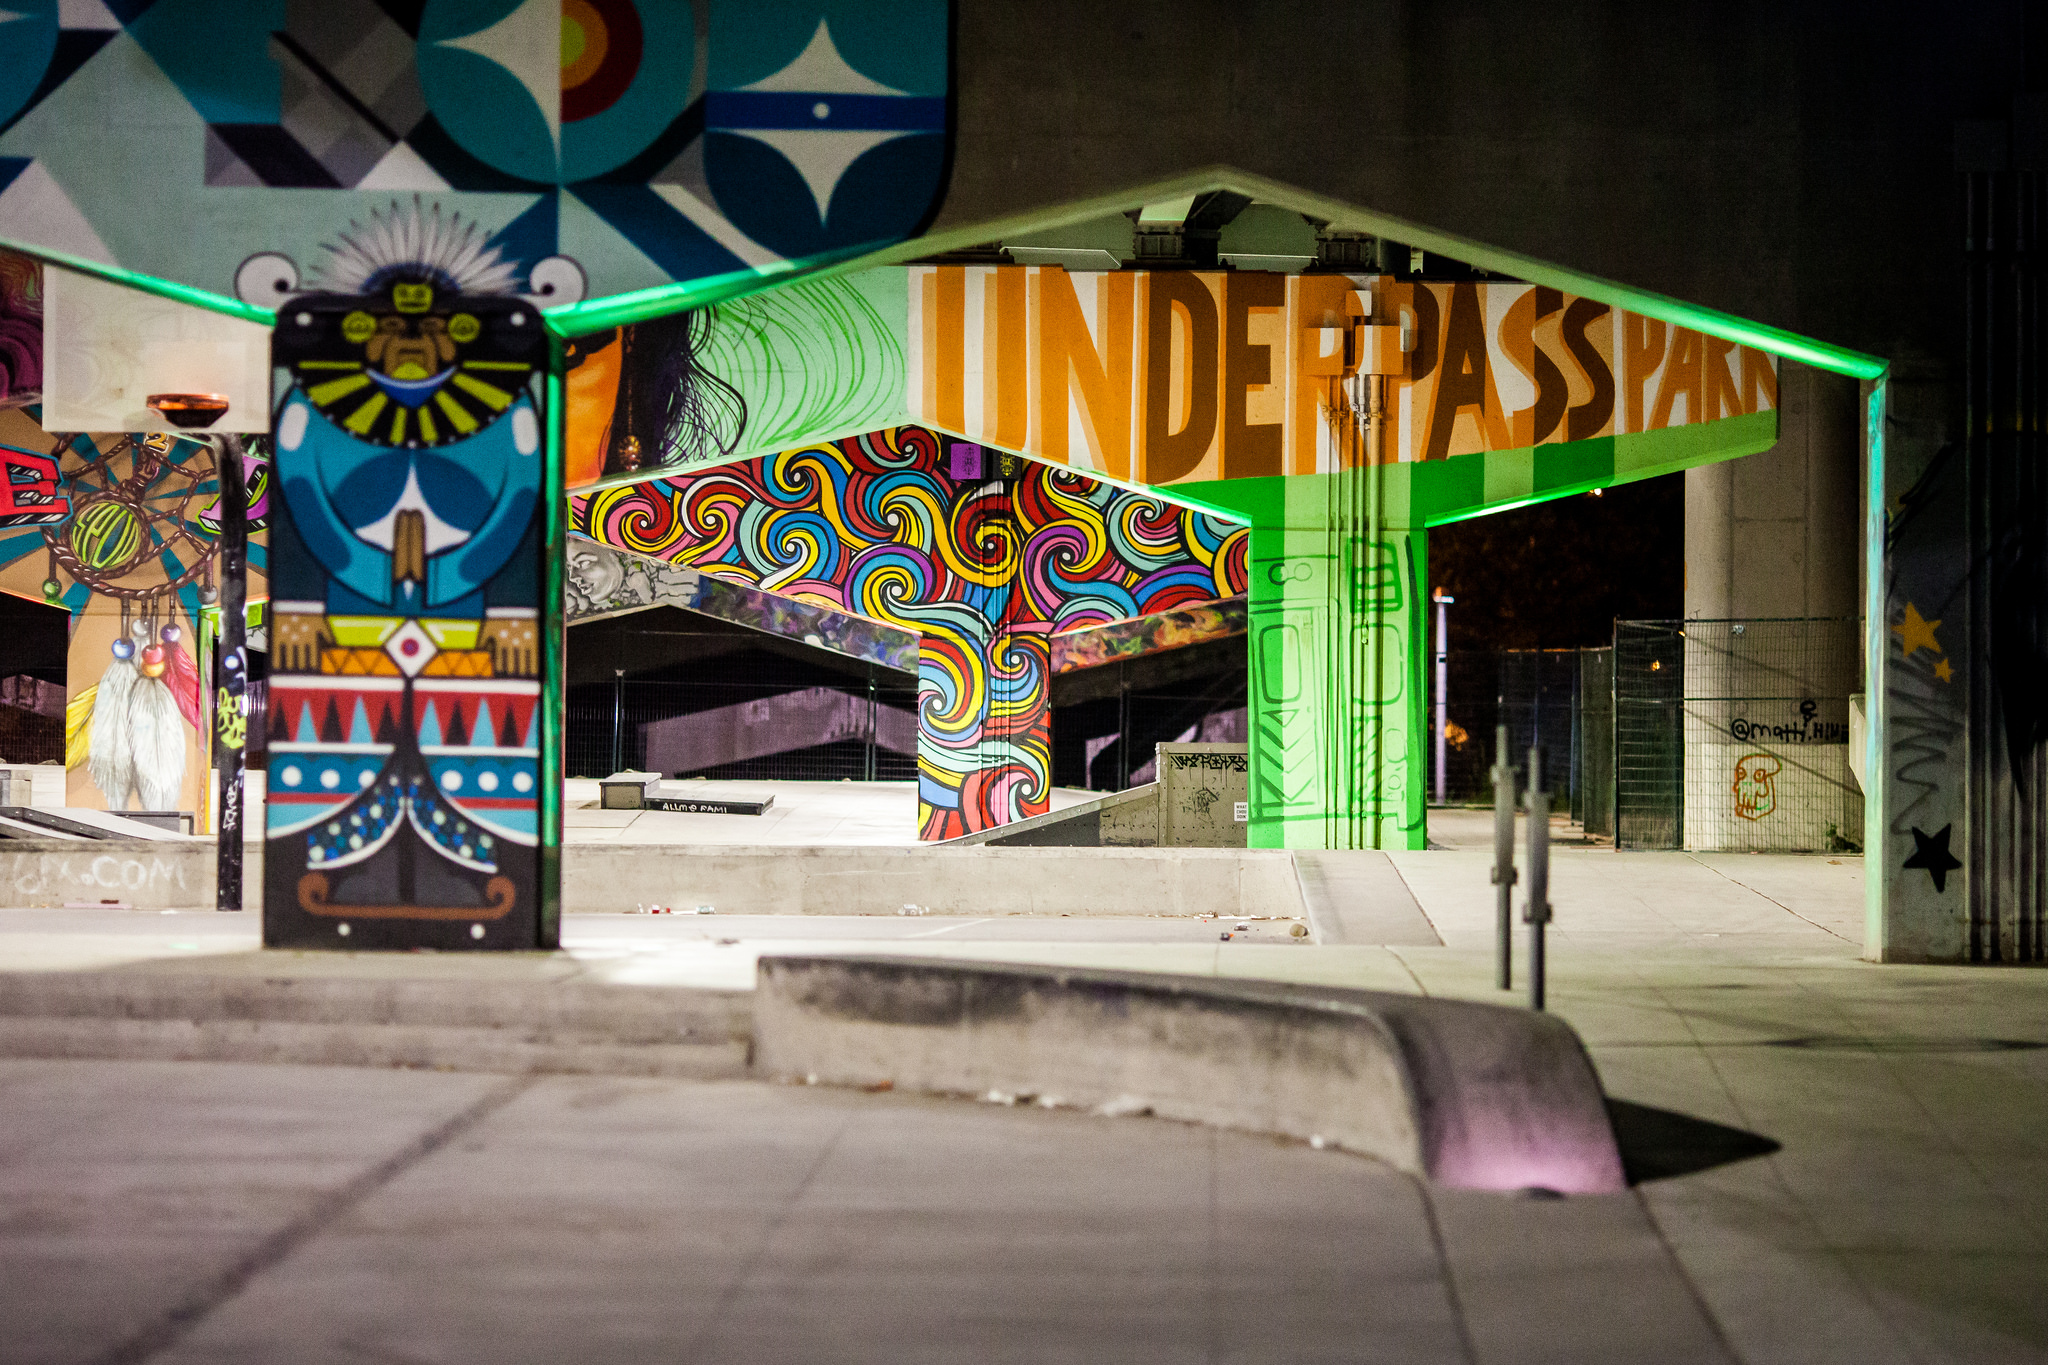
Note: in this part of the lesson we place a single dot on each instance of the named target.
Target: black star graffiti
(1931, 852)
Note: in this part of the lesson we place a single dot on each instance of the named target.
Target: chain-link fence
(1593, 780)
(1734, 735)
(1538, 695)
(1649, 734)
(1106, 742)
(31, 737)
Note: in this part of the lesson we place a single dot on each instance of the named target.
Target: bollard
(1536, 912)
(1504, 855)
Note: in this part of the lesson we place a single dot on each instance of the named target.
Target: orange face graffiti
(1756, 794)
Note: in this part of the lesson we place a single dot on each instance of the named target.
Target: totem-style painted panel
(984, 555)
(406, 641)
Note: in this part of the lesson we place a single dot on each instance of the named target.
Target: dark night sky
(1556, 575)
(33, 638)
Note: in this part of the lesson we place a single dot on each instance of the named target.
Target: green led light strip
(622, 309)
(1350, 217)
(149, 284)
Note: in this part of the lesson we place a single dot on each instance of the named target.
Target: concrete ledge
(513, 1050)
(1128, 819)
(737, 879)
(468, 1025)
(940, 879)
(145, 874)
(1468, 1095)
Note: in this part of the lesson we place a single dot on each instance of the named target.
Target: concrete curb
(468, 1025)
(144, 874)
(938, 878)
(1468, 1095)
(1078, 826)
(738, 879)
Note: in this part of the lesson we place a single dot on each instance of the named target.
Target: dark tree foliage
(1556, 575)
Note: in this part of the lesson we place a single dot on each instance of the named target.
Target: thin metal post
(232, 669)
(1123, 726)
(1443, 681)
(868, 768)
(618, 719)
(1536, 911)
(1504, 854)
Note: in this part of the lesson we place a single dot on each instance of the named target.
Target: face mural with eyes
(1755, 788)
(414, 364)
(405, 349)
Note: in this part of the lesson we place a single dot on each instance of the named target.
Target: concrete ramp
(1467, 1095)
(1359, 898)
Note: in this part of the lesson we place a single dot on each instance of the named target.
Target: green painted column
(1336, 690)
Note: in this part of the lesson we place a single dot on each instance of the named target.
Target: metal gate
(1649, 734)
(1593, 784)
(1734, 735)
(1767, 762)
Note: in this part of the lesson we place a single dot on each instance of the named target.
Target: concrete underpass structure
(1334, 407)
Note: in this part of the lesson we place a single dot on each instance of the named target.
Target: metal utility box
(1203, 791)
(627, 790)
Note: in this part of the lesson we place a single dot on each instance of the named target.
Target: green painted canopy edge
(1438, 492)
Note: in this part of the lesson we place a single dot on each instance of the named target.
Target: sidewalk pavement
(1903, 1215)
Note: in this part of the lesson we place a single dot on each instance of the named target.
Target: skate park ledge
(737, 879)
(1468, 1095)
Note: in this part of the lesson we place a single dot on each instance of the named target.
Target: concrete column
(1336, 623)
(1776, 534)
(1771, 536)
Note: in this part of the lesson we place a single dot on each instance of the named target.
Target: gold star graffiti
(1914, 632)
(1945, 671)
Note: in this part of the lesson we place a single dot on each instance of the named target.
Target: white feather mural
(139, 721)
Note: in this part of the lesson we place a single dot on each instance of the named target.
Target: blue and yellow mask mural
(406, 557)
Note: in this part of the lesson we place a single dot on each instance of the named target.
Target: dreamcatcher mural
(124, 534)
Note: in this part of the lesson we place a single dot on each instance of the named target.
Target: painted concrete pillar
(984, 735)
(1336, 618)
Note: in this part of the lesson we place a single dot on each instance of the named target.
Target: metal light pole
(618, 719)
(1443, 681)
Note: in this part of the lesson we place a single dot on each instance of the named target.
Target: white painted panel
(106, 348)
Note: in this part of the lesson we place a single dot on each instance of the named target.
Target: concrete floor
(1902, 1217)
(805, 813)
(200, 1212)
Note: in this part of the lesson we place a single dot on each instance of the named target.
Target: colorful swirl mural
(984, 569)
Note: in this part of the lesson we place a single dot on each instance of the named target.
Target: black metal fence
(1649, 734)
(1593, 778)
(1734, 735)
(1537, 694)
